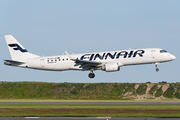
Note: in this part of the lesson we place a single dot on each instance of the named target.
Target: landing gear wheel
(156, 65)
(157, 69)
(91, 75)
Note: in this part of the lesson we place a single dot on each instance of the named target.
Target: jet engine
(110, 67)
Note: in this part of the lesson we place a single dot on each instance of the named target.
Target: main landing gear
(156, 65)
(91, 74)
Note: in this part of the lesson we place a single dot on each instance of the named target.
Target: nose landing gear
(156, 65)
(91, 74)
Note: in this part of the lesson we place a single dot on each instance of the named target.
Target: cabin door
(153, 54)
(42, 62)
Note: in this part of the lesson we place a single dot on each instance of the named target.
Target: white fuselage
(122, 58)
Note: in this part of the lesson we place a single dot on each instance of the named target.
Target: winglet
(70, 57)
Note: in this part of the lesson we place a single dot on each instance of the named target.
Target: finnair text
(115, 55)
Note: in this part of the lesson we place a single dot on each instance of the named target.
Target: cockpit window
(163, 51)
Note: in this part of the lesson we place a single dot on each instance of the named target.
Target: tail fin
(16, 50)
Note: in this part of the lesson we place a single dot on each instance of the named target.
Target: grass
(86, 91)
(93, 112)
(11, 108)
(55, 100)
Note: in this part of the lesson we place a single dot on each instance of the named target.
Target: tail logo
(17, 47)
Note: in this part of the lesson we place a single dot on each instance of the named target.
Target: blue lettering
(123, 53)
(139, 52)
(92, 55)
(99, 56)
(130, 54)
(110, 55)
(83, 57)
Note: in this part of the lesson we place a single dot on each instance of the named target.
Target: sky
(50, 27)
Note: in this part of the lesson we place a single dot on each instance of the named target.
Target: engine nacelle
(111, 67)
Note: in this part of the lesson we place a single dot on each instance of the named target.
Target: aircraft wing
(87, 65)
(84, 64)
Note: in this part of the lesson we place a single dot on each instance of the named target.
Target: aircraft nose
(172, 57)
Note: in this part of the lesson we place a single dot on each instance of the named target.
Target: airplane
(109, 61)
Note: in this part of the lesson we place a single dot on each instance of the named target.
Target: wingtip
(68, 55)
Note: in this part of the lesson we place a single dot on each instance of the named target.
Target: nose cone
(172, 57)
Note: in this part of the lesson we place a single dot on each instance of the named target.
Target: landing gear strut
(91, 74)
(156, 65)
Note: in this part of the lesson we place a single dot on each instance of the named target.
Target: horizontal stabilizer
(12, 62)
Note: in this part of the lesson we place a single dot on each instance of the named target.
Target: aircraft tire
(157, 69)
(91, 75)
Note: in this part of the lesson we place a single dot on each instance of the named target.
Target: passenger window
(67, 59)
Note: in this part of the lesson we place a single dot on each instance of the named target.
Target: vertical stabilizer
(17, 51)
